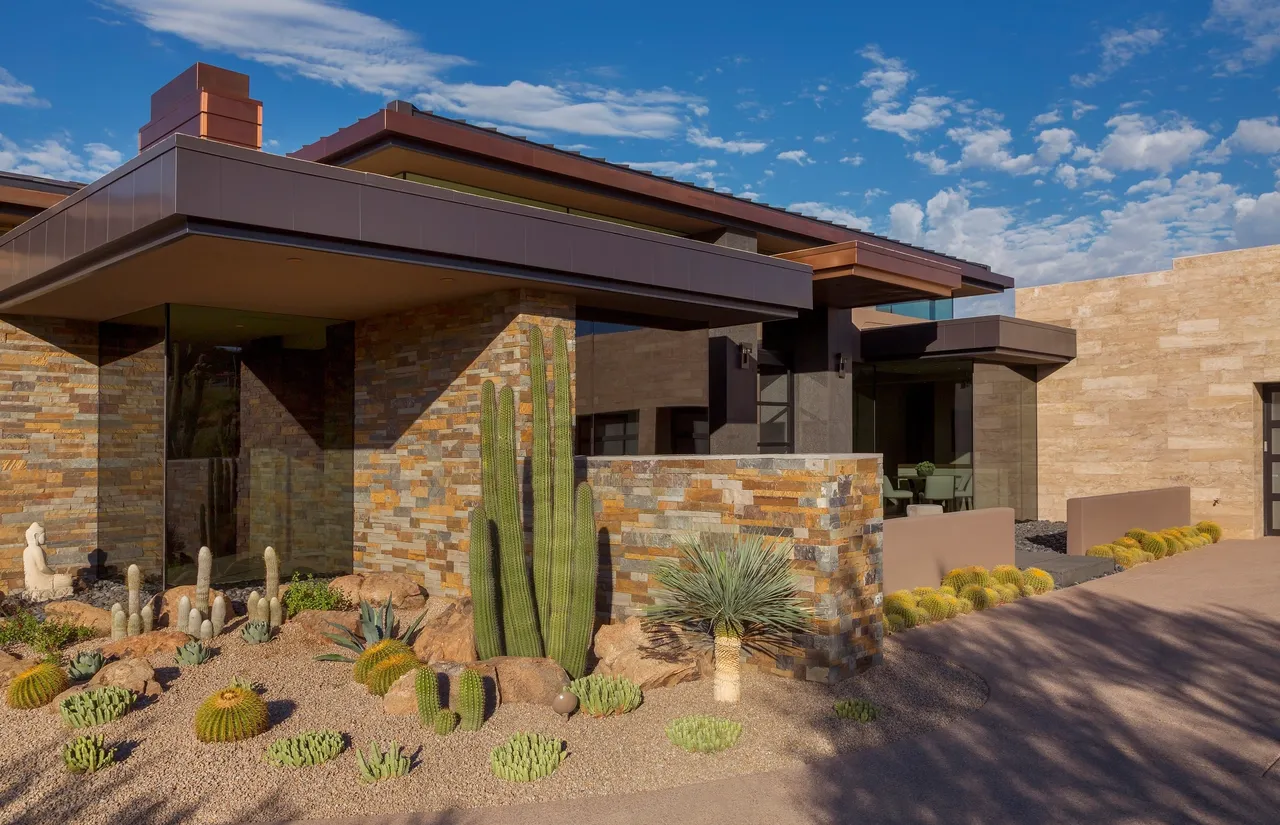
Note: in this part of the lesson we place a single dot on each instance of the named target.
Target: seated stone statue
(41, 583)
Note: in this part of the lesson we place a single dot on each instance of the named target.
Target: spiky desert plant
(743, 595)
(204, 573)
(193, 653)
(1155, 545)
(134, 625)
(148, 618)
(582, 583)
(133, 582)
(1173, 542)
(962, 577)
(938, 607)
(375, 626)
(184, 617)
(894, 623)
(1038, 580)
(271, 564)
(947, 590)
(1126, 541)
(858, 710)
(256, 632)
(1211, 529)
(313, 747)
(251, 605)
(87, 754)
(85, 664)
(519, 616)
(232, 714)
(36, 686)
(426, 690)
(602, 696)
(471, 700)
(982, 598)
(966, 606)
(275, 612)
(385, 673)
(560, 580)
(1009, 593)
(1102, 551)
(1137, 534)
(703, 734)
(543, 483)
(206, 631)
(908, 616)
(96, 707)
(377, 764)
(218, 615)
(484, 598)
(921, 592)
(1008, 574)
(900, 599)
(1127, 557)
(119, 623)
(526, 757)
(444, 722)
(371, 656)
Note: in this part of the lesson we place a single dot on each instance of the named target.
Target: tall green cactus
(471, 700)
(484, 599)
(586, 562)
(519, 617)
(562, 503)
(542, 535)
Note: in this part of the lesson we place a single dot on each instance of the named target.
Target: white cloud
(906, 221)
(797, 156)
(699, 110)
(835, 214)
(853, 160)
(1154, 185)
(885, 112)
(696, 170)
(323, 40)
(1257, 22)
(874, 192)
(1045, 118)
(743, 147)
(889, 77)
(1079, 109)
(1119, 47)
(1137, 143)
(1073, 176)
(749, 195)
(54, 158)
(984, 148)
(1054, 143)
(1260, 135)
(1258, 220)
(15, 93)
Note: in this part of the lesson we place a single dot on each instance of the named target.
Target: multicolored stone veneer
(827, 505)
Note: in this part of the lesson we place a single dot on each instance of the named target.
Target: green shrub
(602, 696)
(313, 747)
(96, 707)
(377, 765)
(1008, 574)
(309, 594)
(87, 754)
(48, 636)
(526, 757)
(704, 734)
(859, 710)
(85, 664)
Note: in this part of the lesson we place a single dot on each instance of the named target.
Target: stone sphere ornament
(565, 703)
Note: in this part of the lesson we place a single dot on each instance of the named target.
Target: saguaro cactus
(519, 617)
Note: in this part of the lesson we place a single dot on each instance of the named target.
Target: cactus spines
(272, 563)
(36, 686)
(218, 615)
(204, 570)
(133, 580)
(274, 614)
(206, 631)
(184, 614)
(519, 617)
(148, 618)
(231, 714)
(542, 519)
(471, 700)
(444, 722)
(194, 620)
(526, 757)
(251, 605)
(264, 610)
(484, 599)
(134, 626)
(385, 673)
(118, 628)
(582, 591)
(426, 688)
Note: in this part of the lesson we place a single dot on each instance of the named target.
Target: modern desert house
(213, 345)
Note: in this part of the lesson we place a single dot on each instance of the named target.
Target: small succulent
(704, 734)
(386, 672)
(602, 696)
(256, 632)
(313, 747)
(375, 626)
(471, 700)
(36, 686)
(87, 754)
(445, 722)
(526, 757)
(193, 653)
(859, 710)
(376, 765)
(85, 664)
(244, 683)
(96, 707)
(231, 714)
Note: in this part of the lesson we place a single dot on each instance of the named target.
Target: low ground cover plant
(377, 764)
(601, 696)
(313, 747)
(857, 710)
(96, 707)
(704, 734)
(47, 636)
(526, 757)
(309, 594)
(87, 754)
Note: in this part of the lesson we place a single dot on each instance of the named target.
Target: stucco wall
(1163, 391)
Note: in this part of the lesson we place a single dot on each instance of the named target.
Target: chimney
(208, 102)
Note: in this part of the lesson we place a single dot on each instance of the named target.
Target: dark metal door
(1271, 458)
(776, 405)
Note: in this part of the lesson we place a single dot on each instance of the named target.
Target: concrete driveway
(1147, 697)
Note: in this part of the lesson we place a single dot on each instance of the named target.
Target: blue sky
(1051, 140)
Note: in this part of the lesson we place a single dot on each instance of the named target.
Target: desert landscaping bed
(165, 774)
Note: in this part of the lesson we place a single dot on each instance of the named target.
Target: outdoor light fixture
(744, 354)
(840, 364)
(293, 260)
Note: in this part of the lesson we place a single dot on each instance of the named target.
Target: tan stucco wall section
(1163, 391)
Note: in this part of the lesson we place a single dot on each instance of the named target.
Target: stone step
(1066, 570)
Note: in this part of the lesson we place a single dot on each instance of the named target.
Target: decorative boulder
(404, 592)
(650, 659)
(73, 612)
(131, 674)
(52, 707)
(11, 666)
(402, 700)
(349, 587)
(450, 636)
(157, 641)
(309, 626)
(528, 681)
(165, 605)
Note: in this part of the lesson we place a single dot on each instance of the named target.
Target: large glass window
(932, 309)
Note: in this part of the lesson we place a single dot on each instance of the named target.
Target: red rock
(450, 636)
(136, 675)
(74, 612)
(528, 681)
(404, 592)
(157, 641)
(651, 659)
(11, 666)
(309, 626)
(349, 587)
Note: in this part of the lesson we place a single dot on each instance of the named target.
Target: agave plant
(743, 595)
(375, 626)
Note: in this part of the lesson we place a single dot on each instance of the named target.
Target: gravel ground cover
(166, 775)
(1040, 535)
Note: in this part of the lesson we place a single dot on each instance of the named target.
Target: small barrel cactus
(471, 700)
(377, 765)
(193, 653)
(36, 686)
(374, 654)
(230, 715)
(85, 664)
(938, 607)
(1008, 574)
(426, 688)
(313, 747)
(966, 606)
(980, 597)
(962, 577)
(1038, 580)
(96, 707)
(1211, 529)
(602, 696)
(526, 757)
(385, 673)
(894, 623)
(703, 734)
(87, 754)
(256, 632)
(900, 599)
(858, 710)
(445, 722)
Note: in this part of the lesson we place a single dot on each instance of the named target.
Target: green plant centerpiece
(742, 595)
(85, 664)
(704, 734)
(602, 696)
(256, 632)
(555, 614)
(309, 594)
(193, 654)
(925, 469)
(376, 626)
(526, 757)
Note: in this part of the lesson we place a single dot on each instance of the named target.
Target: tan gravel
(167, 776)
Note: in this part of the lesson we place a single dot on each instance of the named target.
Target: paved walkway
(1147, 697)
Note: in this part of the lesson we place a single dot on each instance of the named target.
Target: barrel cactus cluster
(963, 590)
(526, 757)
(554, 614)
(1143, 546)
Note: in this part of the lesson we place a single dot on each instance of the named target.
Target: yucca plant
(743, 595)
(375, 626)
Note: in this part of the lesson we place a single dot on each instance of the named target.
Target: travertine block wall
(1163, 391)
(828, 505)
(418, 377)
(48, 439)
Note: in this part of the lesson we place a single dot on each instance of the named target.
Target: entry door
(1271, 458)
(776, 404)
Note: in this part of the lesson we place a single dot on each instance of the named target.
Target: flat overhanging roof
(991, 338)
(195, 221)
(865, 273)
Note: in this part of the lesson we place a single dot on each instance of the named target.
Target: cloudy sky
(1051, 140)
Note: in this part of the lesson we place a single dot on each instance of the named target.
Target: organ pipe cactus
(543, 535)
(426, 689)
(519, 617)
(582, 590)
(445, 722)
(484, 599)
(471, 700)
(204, 572)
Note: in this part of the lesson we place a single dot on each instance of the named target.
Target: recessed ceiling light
(293, 260)
(447, 280)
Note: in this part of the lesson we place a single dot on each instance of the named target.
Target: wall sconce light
(744, 356)
(840, 364)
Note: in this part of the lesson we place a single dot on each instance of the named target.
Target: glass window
(690, 430)
(776, 407)
(934, 309)
(612, 433)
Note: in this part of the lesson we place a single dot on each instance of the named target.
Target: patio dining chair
(964, 489)
(940, 489)
(892, 495)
